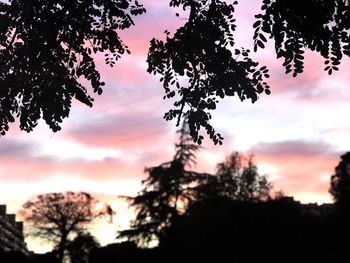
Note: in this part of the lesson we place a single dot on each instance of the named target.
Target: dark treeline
(233, 214)
(218, 229)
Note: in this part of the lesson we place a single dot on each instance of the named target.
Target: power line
(132, 123)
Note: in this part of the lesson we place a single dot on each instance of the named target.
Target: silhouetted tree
(166, 193)
(237, 179)
(46, 50)
(295, 26)
(56, 216)
(340, 182)
(123, 252)
(46, 47)
(197, 64)
(340, 190)
(80, 247)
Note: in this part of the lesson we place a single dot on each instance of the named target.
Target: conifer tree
(167, 191)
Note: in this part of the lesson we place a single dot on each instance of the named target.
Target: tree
(80, 247)
(46, 51)
(56, 216)
(236, 179)
(295, 26)
(166, 193)
(340, 182)
(340, 190)
(197, 65)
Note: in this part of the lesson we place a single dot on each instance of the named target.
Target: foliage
(319, 25)
(79, 248)
(55, 216)
(171, 188)
(46, 50)
(340, 181)
(166, 192)
(236, 179)
(197, 66)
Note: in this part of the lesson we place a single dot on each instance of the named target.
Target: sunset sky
(296, 134)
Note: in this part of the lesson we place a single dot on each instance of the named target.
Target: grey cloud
(10, 148)
(298, 148)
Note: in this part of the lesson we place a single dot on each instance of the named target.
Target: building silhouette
(315, 209)
(11, 233)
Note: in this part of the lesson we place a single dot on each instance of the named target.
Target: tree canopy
(166, 193)
(198, 67)
(237, 179)
(318, 25)
(56, 216)
(46, 50)
(340, 181)
(80, 247)
(173, 186)
(47, 47)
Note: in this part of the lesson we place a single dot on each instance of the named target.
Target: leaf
(262, 37)
(260, 44)
(189, 74)
(256, 24)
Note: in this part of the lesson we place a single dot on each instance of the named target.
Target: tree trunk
(62, 248)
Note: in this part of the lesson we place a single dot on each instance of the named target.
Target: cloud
(300, 167)
(14, 148)
(32, 170)
(57, 150)
(105, 146)
(125, 129)
(301, 149)
(129, 70)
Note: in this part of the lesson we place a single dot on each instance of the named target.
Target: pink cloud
(302, 166)
(141, 142)
(125, 129)
(128, 70)
(36, 170)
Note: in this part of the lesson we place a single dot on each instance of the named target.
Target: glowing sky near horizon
(296, 134)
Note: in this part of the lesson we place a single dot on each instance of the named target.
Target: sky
(296, 134)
